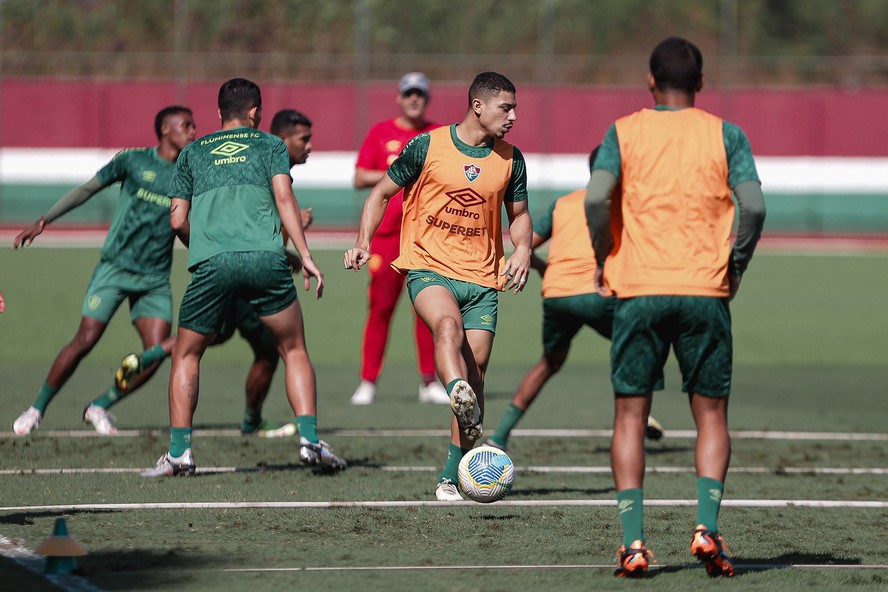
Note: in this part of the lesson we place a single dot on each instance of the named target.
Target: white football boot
(447, 491)
(27, 422)
(100, 419)
(172, 466)
(464, 405)
(433, 393)
(364, 394)
(320, 455)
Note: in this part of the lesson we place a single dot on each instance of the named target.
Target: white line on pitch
(737, 503)
(521, 432)
(739, 567)
(432, 468)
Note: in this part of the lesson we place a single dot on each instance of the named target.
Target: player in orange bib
(673, 268)
(456, 180)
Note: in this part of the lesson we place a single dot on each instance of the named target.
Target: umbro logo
(466, 197)
(229, 149)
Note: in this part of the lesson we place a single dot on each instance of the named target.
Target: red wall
(779, 122)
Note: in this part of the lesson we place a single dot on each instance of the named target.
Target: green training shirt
(227, 176)
(140, 239)
(408, 166)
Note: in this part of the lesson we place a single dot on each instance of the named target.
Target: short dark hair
(288, 118)
(161, 116)
(677, 64)
(236, 97)
(489, 84)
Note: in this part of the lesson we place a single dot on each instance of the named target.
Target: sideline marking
(431, 468)
(539, 433)
(610, 566)
(669, 503)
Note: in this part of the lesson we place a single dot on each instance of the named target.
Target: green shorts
(698, 328)
(149, 295)
(477, 304)
(261, 278)
(243, 319)
(563, 317)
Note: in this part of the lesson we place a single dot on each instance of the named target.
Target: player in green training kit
(294, 129)
(135, 260)
(231, 194)
(663, 247)
(569, 303)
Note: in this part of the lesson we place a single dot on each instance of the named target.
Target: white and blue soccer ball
(486, 474)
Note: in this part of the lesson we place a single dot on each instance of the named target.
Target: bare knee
(449, 329)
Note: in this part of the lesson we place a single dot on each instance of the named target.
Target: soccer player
(135, 261)
(294, 128)
(569, 303)
(673, 269)
(456, 180)
(232, 192)
(379, 149)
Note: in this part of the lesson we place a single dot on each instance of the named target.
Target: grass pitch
(809, 341)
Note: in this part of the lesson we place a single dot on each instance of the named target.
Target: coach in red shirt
(380, 148)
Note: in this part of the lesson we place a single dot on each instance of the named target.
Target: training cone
(60, 550)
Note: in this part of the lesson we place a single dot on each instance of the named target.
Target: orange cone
(60, 550)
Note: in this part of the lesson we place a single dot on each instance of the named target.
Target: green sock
(308, 427)
(709, 497)
(450, 384)
(44, 396)
(629, 503)
(180, 441)
(111, 396)
(454, 455)
(507, 423)
(152, 355)
(252, 419)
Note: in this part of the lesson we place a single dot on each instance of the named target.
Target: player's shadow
(28, 518)
(651, 449)
(784, 561)
(147, 569)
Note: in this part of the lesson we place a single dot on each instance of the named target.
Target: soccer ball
(486, 474)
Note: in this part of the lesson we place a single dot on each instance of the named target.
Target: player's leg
(382, 297)
(103, 296)
(704, 351)
(258, 383)
(151, 311)
(560, 325)
(639, 350)
(204, 305)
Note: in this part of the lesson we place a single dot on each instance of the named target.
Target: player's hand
(517, 269)
(294, 262)
(26, 237)
(307, 217)
(310, 270)
(356, 258)
(598, 279)
(733, 284)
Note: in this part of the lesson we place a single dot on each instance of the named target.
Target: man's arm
(66, 203)
(517, 266)
(371, 217)
(179, 209)
(365, 178)
(288, 208)
(751, 203)
(598, 217)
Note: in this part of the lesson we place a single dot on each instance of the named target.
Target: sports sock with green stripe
(44, 396)
(709, 496)
(152, 355)
(451, 467)
(308, 427)
(510, 419)
(180, 441)
(252, 420)
(629, 504)
(109, 397)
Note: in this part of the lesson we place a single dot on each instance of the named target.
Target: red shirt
(381, 147)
